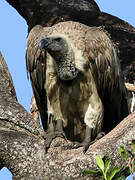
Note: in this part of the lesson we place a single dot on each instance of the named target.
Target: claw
(52, 135)
(85, 144)
(54, 132)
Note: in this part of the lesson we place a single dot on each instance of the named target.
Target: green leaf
(133, 145)
(100, 162)
(85, 172)
(107, 163)
(122, 152)
(113, 171)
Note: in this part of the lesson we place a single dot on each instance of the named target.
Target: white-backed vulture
(79, 69)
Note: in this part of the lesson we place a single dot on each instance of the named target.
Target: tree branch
(28, 159)
(21, 139)
(71, 163)
(130, 87)
(48, 12)
(12, 114)
(22, 153)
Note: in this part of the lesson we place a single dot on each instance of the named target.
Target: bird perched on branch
(77, 66)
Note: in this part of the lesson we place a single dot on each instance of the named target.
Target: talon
(100, 135)
(87, 144)
(53, 133)
(86, 147)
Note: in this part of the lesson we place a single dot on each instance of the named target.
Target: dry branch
(130, 87)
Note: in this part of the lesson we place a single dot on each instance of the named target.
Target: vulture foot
(54, 133)
(85, 144)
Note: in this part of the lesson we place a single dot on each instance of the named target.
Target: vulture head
(62, 52)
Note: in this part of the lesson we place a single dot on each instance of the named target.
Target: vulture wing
(102, 53)
(36, 66)
(105, 67)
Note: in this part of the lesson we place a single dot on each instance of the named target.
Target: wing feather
(106, 70)
(36, 66)
(103, 58)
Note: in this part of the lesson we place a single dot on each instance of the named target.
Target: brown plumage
(82, 80)
(36, 66)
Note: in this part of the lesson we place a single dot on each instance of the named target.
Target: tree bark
(22, 139)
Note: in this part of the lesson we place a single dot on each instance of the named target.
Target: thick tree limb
(22, 153)
(12, 115)
(48, 12)
(20, 137)
(71, 163)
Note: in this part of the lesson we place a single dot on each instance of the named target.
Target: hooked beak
(43, 44)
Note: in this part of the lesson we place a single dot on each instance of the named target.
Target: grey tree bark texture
(21, 138)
